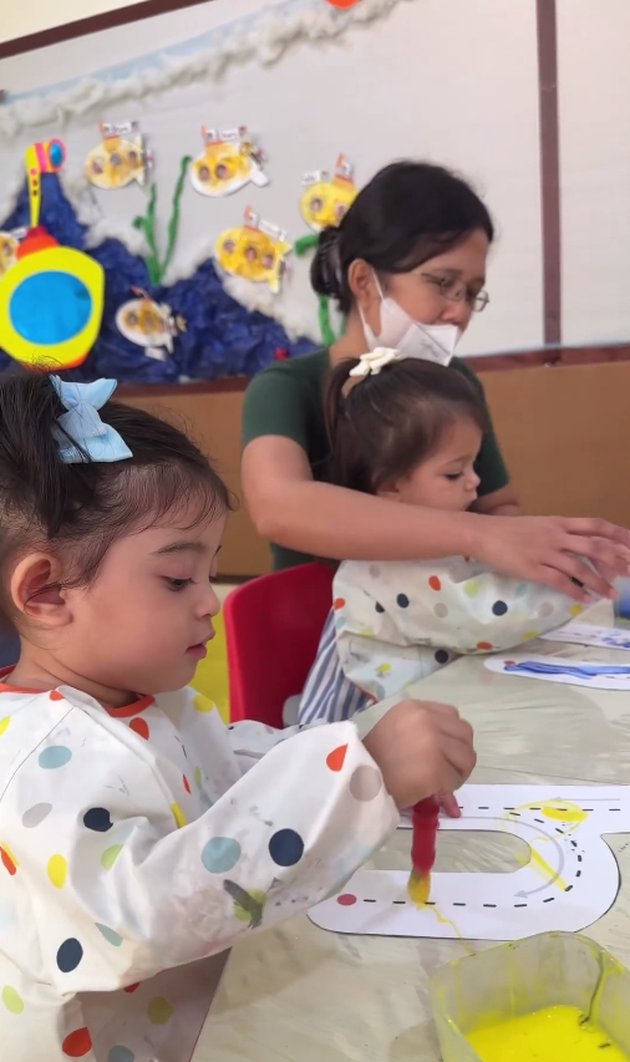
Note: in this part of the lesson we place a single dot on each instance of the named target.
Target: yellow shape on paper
(326, 201)
(69, 352)
(4, 724)
(255, 255)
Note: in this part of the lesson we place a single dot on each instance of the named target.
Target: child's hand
(448, 804)
(422, 749)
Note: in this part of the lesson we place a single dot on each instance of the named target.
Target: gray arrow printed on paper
(529, 825)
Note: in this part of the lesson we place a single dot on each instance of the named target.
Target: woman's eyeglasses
(455, 291)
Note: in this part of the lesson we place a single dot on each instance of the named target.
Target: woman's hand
(423, 749)
(551, 550)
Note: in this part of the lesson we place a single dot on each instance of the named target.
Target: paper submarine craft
(149, 324)
(51, 300)
(119, 159)
(228, 162)
(255, 251)
(9, 244)
(327, 200)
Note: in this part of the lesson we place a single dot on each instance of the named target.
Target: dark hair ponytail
(80, 509)
(409, 212)
(381, 426)
(33, 479)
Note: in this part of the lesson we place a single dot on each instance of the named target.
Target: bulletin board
(327, 94)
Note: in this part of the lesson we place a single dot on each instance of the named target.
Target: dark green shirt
(286, 399)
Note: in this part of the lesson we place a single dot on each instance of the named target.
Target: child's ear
(36, 591)
(391, 491)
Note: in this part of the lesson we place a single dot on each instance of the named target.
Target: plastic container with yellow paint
(522, 978)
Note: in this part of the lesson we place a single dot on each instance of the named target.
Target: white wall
(594, 83)
(454, 83)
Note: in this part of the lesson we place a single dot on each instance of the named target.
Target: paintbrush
(424, 818)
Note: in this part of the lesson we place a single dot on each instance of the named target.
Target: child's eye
(453, 476)
(178, 584)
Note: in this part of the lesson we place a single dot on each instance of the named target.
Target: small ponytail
(348, 466)
(33, 479)
(80, 509)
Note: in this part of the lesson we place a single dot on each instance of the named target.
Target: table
(300, 994)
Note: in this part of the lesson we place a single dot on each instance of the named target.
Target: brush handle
(424, 818)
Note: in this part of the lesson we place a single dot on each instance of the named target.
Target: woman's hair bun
(325, 267)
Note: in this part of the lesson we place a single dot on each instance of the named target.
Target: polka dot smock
(137, 843)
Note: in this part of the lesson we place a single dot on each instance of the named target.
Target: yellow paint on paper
(419, 888)
(556, 1034)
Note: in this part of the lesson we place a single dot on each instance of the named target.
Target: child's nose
(211, 605)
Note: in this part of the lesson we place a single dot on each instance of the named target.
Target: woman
(410, 252)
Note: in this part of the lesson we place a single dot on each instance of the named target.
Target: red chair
(272, 626)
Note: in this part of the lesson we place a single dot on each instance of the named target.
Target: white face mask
(400, 332)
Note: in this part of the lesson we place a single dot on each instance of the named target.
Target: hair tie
(371, 363)
(80, 434)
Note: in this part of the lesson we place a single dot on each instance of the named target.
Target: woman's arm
(503, 502)
(288, 507)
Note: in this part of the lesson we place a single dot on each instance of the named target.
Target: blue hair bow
(95, 441)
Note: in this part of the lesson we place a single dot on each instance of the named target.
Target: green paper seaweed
(301, 247)
(145, 223)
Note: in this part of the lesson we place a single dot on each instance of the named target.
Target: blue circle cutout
(50, 308)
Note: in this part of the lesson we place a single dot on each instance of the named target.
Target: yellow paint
(564, 811)
(547, 871)
(552, 1035)
(570, 814)
(419, 888)
(559, 811)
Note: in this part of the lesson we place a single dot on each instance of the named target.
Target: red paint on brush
(424, 817)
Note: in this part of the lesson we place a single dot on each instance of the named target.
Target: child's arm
(140, 894)
(396, 622)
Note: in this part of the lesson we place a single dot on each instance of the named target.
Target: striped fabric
(328, 694)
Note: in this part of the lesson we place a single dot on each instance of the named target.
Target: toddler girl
(411, 430)
(138, 834)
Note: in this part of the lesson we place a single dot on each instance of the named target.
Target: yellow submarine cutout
(327, 200)
(256, 251)
(229, 161)
(9, 244)
(119, 159)
(51, 299)
(149, 324)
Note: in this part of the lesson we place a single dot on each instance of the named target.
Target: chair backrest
(273, 625)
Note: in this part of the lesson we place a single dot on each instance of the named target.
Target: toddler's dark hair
(383, 425)
(409, 212)
(80, 509)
